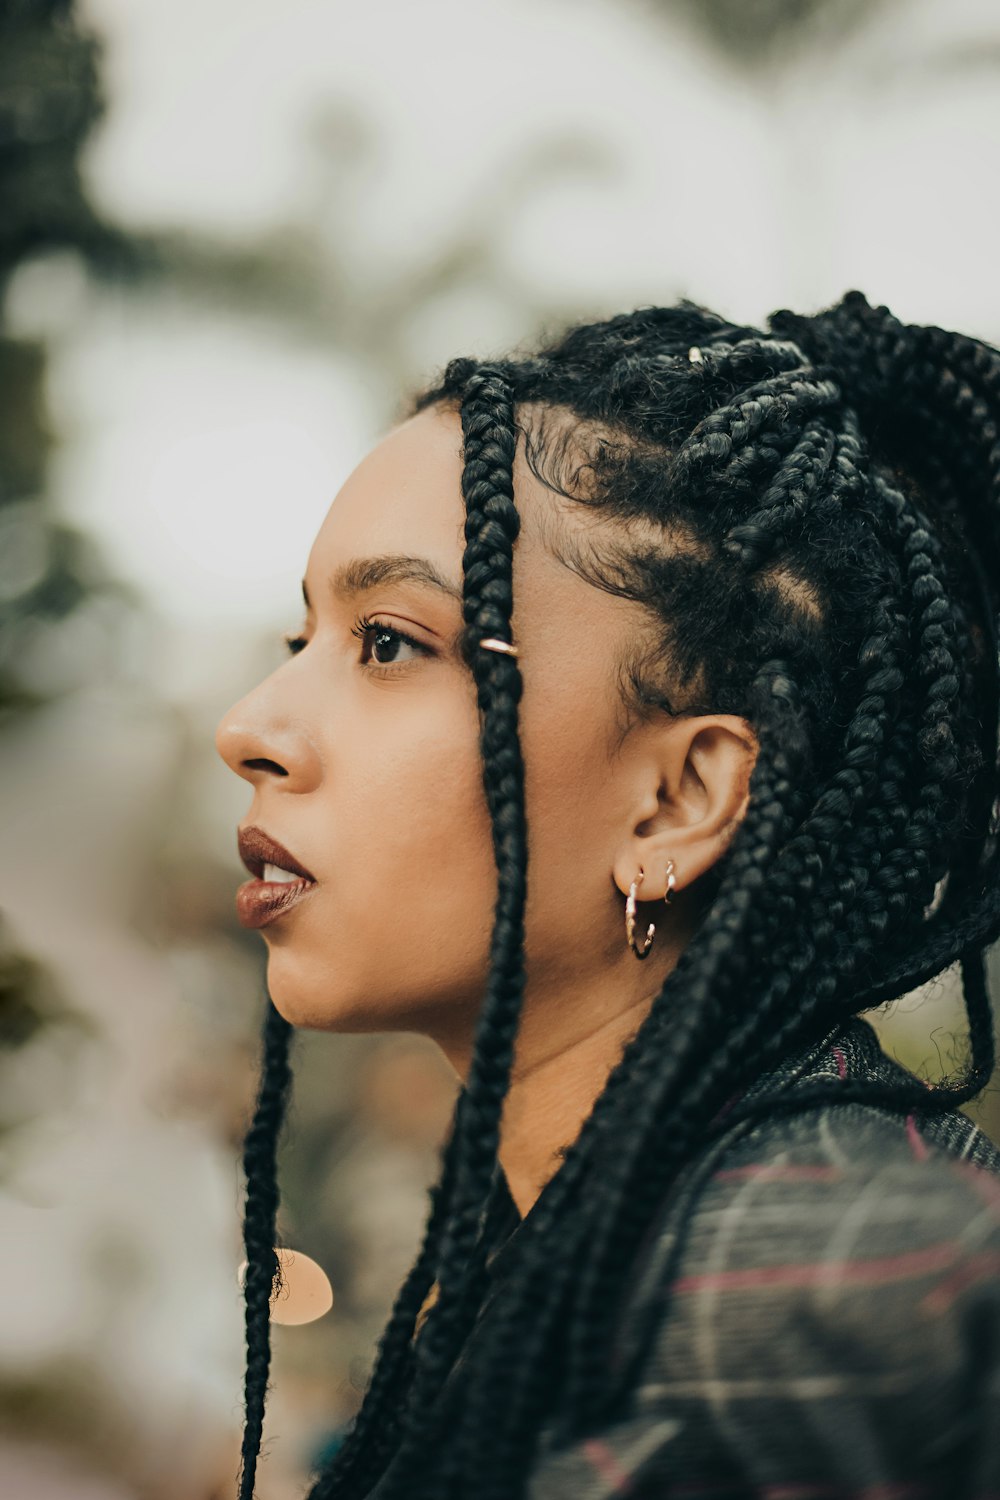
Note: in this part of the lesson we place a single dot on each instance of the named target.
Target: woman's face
(364, 763)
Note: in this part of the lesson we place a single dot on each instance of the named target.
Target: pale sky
(203, 449)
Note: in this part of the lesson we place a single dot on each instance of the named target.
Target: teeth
(275, 872)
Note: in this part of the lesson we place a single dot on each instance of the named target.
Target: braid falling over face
(828, 502)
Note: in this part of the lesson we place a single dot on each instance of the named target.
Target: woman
(732, 596)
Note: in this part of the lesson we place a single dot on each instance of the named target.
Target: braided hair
(811, 516)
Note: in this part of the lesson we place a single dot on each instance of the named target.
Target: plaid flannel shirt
(833, 1321)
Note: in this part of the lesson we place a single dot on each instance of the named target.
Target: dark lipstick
(259, 901)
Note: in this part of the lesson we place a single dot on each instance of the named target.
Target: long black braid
(828, 497)
(263, 1274)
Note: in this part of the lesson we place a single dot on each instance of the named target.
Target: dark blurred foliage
(49, 100)
(762, 34)
(29, 1000)
(32, 1010)
(315, 285)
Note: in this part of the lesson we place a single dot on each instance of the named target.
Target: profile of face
(362, 753)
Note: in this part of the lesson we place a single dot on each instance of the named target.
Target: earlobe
(657, 881)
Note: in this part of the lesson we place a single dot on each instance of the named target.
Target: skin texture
(363, 757)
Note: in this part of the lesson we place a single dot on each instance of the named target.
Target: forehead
(405, 496)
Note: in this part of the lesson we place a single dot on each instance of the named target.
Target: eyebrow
(362, 574)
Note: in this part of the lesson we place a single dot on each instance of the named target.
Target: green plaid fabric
(832, 1328)
(833, 1324)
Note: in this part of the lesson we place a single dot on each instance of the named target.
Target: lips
(258, 849)
(260, 901)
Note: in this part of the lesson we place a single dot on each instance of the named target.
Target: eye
(385, 638)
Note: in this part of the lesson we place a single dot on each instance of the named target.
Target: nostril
(261, 763)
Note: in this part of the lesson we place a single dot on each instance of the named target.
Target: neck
(550, 1096)
(568, 1042)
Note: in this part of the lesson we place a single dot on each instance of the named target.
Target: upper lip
(258, 849)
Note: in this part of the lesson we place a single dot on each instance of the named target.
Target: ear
(691, 783)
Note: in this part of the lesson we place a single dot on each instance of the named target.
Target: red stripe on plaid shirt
(879, 1269)
(606, 1464)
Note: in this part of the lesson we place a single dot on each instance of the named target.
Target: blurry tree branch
(319, 291)
(49, 100)
(34, 1014)
(760, 35)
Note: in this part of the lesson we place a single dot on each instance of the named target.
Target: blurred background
(233, 235)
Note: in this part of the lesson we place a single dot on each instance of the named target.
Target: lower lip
(261, 901)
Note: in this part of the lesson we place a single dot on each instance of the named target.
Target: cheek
(567, 783)
(573, 836)
(401, 931)
(417, 793)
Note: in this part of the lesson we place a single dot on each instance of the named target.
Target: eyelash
(362, 627)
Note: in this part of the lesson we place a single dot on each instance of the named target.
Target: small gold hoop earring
(630, 911)
(630, 920)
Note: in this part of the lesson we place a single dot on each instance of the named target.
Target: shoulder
(848, 1141)
(818, 1311)
(844, 1202)
(840, 1265)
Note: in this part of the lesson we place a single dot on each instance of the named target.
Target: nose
(262, 743)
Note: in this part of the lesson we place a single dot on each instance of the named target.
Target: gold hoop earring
(630, 911)
(630, 921)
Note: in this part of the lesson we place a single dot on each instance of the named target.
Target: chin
(319, 1007)
(319, 993)
(311, 1012)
